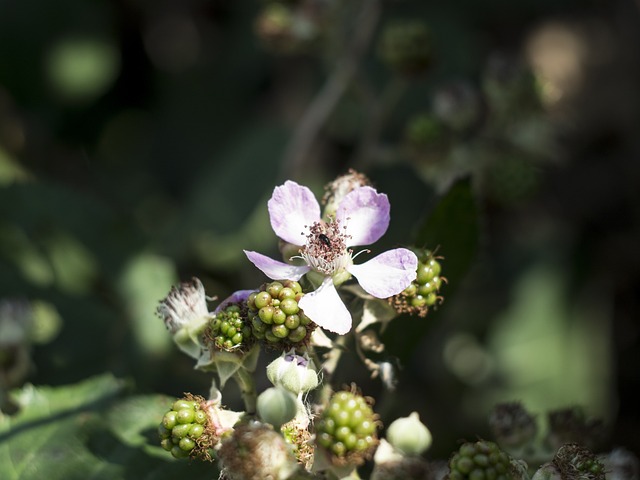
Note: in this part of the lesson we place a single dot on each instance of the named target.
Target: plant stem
(323, 104)
(248, 388)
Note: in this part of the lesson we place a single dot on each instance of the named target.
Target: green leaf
(43, 439)
(453, 229)
(89, 430)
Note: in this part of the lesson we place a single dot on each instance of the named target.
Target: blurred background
(139, 142)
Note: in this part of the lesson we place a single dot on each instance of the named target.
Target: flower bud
(409, 435)
(277, 406)
(296, 373)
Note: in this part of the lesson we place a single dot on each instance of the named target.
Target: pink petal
(293, 207)
(387, 274)
(274, 269)
(325, 307)
(365, 213)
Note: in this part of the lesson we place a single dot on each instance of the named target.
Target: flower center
(326, 248)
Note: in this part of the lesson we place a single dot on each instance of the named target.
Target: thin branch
(326, 100)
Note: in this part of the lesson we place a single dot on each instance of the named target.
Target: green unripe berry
(289, 306)
(274, 289)
(295, 286)
(292, 322)
(177, 452)
(181, 430)
(262, 299)
(280, 331)
(279, 317)
(166, 444)
(339, 449)
(186, 415)
(435, 266)
(270, 337)
(424, 273)
(431, 299)
(266, 314)
(251, 300)
(180, 404)
(258, 327)
(237, 338)
(196, 430)
(410, 291)
(164, 432)
(187, 444)
(286, 293)
(297, 335)
(170, 419)
(324, 439)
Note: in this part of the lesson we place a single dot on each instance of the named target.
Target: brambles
(347, 428)
(184, 429)
(275, 316)
(229, 330)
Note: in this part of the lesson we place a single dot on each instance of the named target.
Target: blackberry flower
(361, 218)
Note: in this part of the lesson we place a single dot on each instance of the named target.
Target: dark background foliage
(139, 142)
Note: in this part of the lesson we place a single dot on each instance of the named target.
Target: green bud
(277, 406)
(409, 435)
(294, 372)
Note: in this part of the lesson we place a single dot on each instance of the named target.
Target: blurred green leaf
(90, 431)
(145, 281)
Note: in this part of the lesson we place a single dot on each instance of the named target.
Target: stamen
(326, 248)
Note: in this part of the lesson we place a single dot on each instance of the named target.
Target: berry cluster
(482, 460)
(347, 428)
(228, 329)
(183, 429)
(423, 291)
(275, 315)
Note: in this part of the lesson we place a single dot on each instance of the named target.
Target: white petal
(325, 307)
(274, 269)
(292, 209)
(387, 274)
(365, 214)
